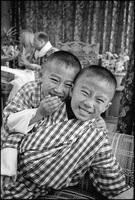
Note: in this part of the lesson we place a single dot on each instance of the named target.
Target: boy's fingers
(52, 96)
(57, 104)
(55, 108)
(53, 105)
(50, 99)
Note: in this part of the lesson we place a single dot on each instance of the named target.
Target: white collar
(43, 51)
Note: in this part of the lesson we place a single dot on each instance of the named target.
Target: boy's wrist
(36, 118)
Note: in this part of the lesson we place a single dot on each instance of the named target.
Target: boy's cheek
(65, 96)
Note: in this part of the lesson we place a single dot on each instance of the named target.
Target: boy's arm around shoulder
(106, 174)
(100, 123)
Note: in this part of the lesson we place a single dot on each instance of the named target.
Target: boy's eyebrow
(102, 96)
(84, 87)
(54, 75)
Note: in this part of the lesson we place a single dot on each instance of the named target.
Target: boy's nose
(59, 89)
(89, 103)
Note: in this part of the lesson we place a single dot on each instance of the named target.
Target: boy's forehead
(57, 64)
(59, 67)
(88, 79)
(98, 83)
(53, 64)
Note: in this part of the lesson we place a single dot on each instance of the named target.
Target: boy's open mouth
(85, 111)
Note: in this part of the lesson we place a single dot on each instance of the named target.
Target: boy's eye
(85, 92)
(68, 85)
(54, 80)
(100, 100)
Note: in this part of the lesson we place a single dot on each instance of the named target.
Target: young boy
(31, 101)
(58, 155)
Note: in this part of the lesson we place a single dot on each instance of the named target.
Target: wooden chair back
(86, 53)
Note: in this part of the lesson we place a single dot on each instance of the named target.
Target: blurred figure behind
(26, 46)
(43, 47)
(26, 52)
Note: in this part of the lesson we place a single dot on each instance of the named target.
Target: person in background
(27, 51)
(34, 49)
(58, 154)
(24, 48)
(29, 67)
(43, 48)
(26, 42)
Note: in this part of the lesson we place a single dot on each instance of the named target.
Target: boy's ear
(109, 104)
(42, 42)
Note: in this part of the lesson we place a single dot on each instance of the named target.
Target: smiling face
(91, 96)
(58, 79)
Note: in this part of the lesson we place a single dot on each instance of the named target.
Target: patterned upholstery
(68, 193)
(87, 53)
(123, 148)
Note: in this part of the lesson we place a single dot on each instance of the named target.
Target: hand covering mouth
(53, 95)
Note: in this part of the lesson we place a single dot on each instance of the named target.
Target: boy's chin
(85, 118)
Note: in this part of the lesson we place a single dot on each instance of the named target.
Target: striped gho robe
(57, 152)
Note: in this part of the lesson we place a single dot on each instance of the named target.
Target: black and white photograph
(67, 100)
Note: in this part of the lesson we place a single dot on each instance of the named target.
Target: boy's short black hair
(42, 36)
(98, 71)
(64, 57)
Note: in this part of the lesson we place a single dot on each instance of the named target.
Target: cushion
(86, 53)
(123, 149)
(68, 193)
